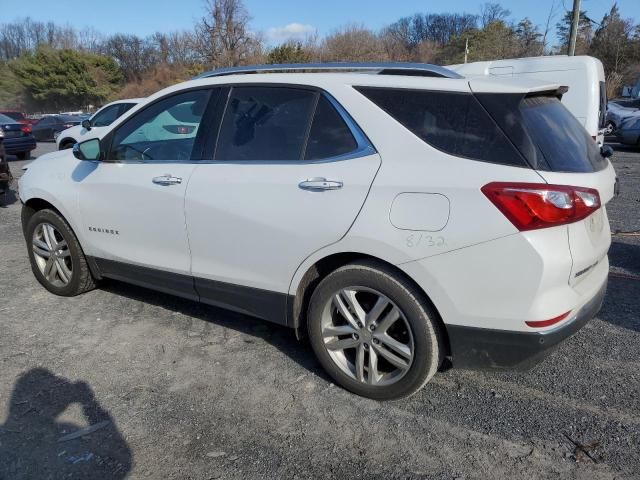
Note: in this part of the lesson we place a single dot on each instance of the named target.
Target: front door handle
(320, 184)
(167, 180)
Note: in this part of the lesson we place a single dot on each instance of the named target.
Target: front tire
(23, 155)
(373, 333)
(57, 260)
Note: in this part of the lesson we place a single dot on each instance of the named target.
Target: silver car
(616, 114)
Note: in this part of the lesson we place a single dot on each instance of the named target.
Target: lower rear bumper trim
(481, 348)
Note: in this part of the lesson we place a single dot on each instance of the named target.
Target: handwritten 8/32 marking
(422, 240)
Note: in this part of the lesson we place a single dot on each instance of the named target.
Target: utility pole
(575, 19)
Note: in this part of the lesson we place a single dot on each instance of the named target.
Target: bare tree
(547, 28)
(223, 35)
(492, 12)
(134, 55)
(353, 43)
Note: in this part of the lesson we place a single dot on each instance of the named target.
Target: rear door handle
(320, 184)
(167, 180)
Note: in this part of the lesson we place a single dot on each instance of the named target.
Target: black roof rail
(380, 68)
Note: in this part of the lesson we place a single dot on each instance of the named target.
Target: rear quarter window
(455, 123)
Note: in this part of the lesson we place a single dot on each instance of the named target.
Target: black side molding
(263, 304)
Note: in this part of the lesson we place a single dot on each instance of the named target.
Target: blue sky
(277, 17)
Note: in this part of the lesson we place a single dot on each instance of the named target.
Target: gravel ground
(179, 390)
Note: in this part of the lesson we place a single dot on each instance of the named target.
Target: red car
(18, 117)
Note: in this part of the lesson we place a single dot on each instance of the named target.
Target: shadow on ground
(36, 443)
(625, 256)
(8, 198)
(283, 338)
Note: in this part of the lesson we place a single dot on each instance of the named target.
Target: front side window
(106, 116)
(265, 123)
(163, 131)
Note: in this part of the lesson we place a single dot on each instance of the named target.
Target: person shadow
(35, 443)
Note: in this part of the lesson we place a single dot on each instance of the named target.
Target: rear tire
(66, 144)
(23, 155)
(396, 357)
(57, 260)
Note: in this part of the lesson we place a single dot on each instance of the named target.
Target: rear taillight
(530, 206)
(68, 125)
(26, 129)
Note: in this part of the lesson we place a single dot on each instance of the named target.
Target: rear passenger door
(287, 173)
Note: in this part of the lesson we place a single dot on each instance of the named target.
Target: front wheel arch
(66, 143)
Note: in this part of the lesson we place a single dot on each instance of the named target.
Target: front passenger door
(132, 203)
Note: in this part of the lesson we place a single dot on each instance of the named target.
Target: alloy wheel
(367, 336)
(52, 255)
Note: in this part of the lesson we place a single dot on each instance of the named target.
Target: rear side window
(329, 136)
(453, 122)
(265, 123)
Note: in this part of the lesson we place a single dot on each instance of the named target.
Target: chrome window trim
(364, 146)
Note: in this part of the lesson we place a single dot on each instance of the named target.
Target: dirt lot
(179, 390)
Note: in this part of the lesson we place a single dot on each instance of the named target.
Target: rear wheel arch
(323, 267)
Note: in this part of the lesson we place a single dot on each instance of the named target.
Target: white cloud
(293, 31)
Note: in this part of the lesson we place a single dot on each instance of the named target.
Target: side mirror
(606, 151)
(86, 124)
(87, 150)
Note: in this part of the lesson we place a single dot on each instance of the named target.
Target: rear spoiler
(521, 86)
(558, 93)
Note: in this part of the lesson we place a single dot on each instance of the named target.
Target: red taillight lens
(26, 129)
(547, 323)
(530, 206)
(68, 125)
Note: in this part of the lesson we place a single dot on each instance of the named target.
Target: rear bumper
(480, 348)
(20, 144)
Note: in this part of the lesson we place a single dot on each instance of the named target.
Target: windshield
(14, 115)
(6, 119)
(70, 118)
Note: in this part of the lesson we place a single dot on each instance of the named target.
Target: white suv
(398, 217)
(94, 126)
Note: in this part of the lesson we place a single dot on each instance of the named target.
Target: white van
(584, 75)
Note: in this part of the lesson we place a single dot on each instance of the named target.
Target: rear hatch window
(545, 132)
